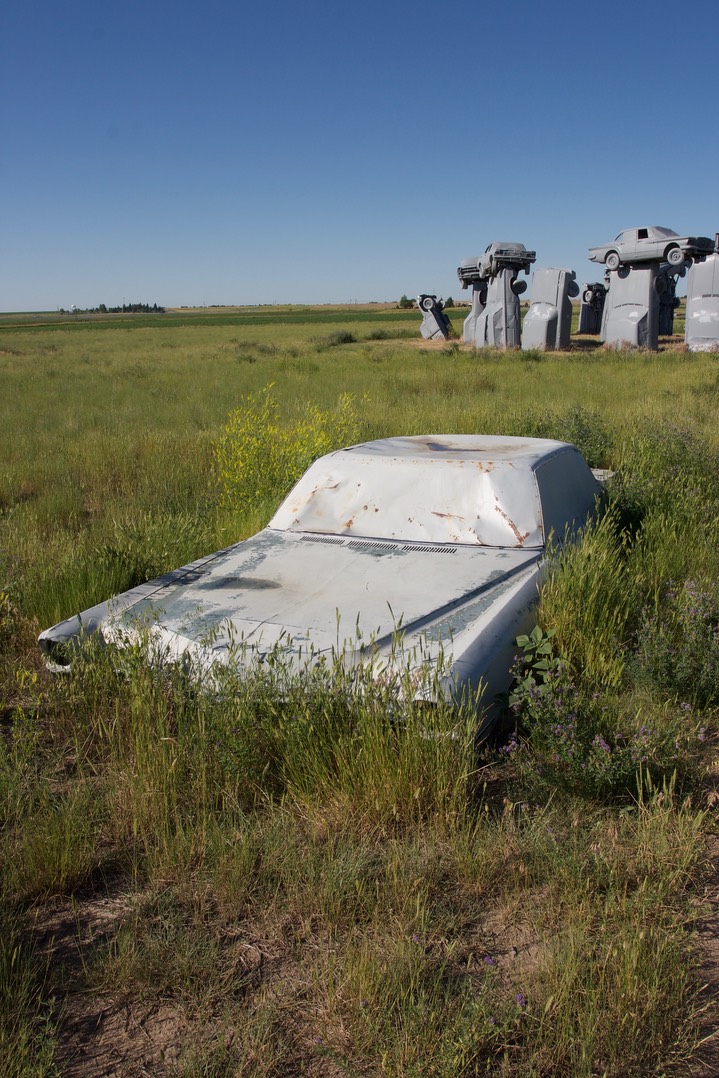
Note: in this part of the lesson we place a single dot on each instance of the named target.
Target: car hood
(308, 593)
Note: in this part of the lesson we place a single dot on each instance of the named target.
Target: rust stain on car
(446, 516)
(520, 538)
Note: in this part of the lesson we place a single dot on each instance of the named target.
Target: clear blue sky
(326, 152)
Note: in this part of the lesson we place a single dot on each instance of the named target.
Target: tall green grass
(27, 1042)
(331, 879)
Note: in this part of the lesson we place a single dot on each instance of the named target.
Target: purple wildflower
(490, 960)
(521, 1000)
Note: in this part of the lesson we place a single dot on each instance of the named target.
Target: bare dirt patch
(106, 1036)
(101, 1033)
(120, 1034)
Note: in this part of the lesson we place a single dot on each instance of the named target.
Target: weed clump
(249, 350)
(599, 744)
(147, 545)
(583, 427)
(532, 355)
(27, 1040)
(667, 469)
(678, 644)
(587, 599)
(666, 494)
(8, 616)
(390, 334)
(258, 459)
(334, 340)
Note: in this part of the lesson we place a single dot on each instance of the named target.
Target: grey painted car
(497, 255)
(649, 244)
(436, 542)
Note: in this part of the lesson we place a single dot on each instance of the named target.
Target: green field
(284, 882)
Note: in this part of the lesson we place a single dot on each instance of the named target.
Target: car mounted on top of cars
(497, 255)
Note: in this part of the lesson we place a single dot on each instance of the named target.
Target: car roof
(458, 488)
(657, 230)
(475, 447)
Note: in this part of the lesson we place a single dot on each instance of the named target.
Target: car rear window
(442, 500)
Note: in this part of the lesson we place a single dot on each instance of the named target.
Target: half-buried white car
(429, 546)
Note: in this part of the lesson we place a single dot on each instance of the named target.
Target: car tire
(588, 296)
(518, 287)
(612, 260)
(426, 303)
(674, 256)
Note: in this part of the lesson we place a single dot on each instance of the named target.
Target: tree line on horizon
(126, 308)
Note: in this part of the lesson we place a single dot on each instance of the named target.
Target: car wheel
(674, 256)
(518, 287)
(427, 303)
(612, 260)
(588, 295)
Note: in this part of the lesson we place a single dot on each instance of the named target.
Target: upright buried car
(428, 547)
(649, 245)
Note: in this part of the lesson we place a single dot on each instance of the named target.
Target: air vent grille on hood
(380, 545)
(322, 539)
(371, 544)
(411, 549)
